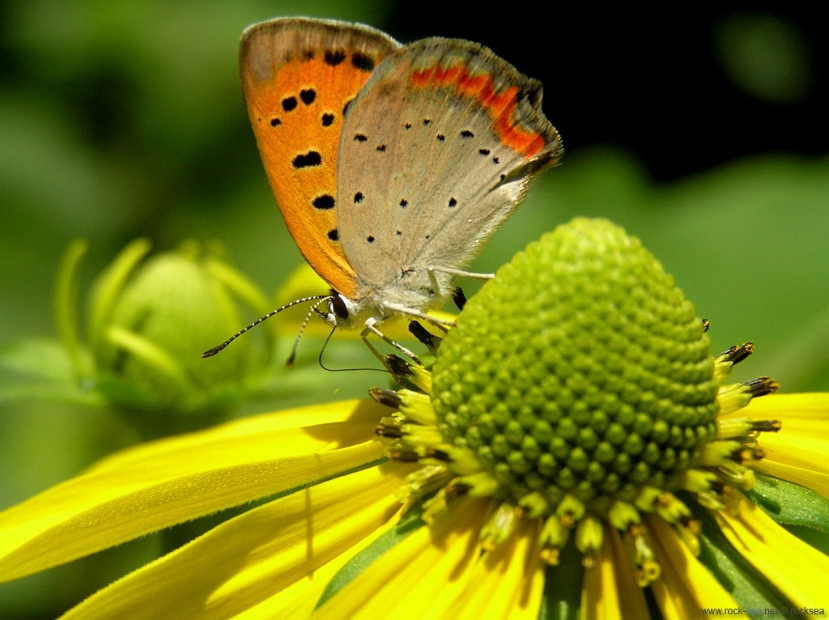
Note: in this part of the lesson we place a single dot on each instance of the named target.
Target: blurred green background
(706, 138)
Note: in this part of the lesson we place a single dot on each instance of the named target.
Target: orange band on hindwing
(501, 106)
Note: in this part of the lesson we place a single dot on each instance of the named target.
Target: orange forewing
(298, 76)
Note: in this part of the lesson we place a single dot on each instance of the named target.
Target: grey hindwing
(423, 176)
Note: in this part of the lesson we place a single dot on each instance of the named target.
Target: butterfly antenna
(214, 350)
(290, 362)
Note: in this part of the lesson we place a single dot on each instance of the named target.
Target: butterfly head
(347, 313)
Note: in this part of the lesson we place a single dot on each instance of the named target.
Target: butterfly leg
(406, 311)
(439, 287)
(459, 273)
(371, 328)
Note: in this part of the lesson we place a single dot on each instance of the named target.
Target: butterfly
(391, 164)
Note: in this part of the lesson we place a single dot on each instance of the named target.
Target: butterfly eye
(338, 306)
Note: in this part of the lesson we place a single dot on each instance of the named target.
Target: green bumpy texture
(580, 368)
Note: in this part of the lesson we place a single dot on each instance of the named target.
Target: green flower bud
(149, 321)
(580, 370)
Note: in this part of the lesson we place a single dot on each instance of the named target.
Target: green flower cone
(580, 369)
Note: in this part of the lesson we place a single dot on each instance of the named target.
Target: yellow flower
(473, 492)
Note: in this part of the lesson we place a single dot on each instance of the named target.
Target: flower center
(581, 371)
(577, 390)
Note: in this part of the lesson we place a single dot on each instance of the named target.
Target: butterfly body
(391, 164)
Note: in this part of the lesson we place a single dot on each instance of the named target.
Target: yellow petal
(507, 582)
(804, 415)
(250, 560)
(685, 586)
(796, 568)
(420, 576)
(797, 452)
(610, 589)
(803, 410)
(795, 464)
(156, 485)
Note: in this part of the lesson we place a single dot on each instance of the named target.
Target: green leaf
(39, 369)
(749, 587)
(563, 586)
(410, 523)
(790, 503)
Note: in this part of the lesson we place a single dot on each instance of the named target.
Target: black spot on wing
(452, 202)
(334, 234)
(358, 198)
(381, 148)
(362, 62)
(323, 202)
(327, 120)
(289, 104)
(404, 203)
(334, 57)
(307, 160)
(275, 121)
(370, 238)
(358, 137)
(467, 134)
(308, 96)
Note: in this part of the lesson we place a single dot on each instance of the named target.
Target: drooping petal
(797, 452)
(807, 476)
(421, 576)
(797, 458)
(250, 560)
(685, 586)
(610, 589)
(797, 569)
(798, 411)
(153, 486)
(507, 583)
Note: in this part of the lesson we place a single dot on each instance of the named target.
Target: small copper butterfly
(391, 164)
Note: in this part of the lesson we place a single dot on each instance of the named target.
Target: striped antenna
(214, 350)
(290, 362)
